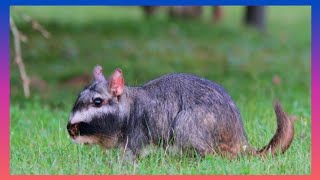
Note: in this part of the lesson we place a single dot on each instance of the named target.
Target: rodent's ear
(116, 82)
(97, 73)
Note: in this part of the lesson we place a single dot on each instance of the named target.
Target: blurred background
(257, 54)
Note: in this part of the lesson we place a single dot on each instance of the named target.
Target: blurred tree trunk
(217, 13)
(18, 58)
(185, 12)
(149, 10)
(19, 37)
(256, 16)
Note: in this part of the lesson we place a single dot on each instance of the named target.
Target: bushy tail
(283, 137)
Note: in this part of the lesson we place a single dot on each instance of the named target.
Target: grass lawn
(239, 58)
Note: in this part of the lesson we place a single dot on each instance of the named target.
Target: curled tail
(283, 137)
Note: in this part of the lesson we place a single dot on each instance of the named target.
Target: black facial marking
(78, 105)
(110, 102)
(93, 87)
(107, 125)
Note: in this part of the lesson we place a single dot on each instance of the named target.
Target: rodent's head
(98, 114)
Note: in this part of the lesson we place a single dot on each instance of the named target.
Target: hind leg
(205, 134)
(190, 135)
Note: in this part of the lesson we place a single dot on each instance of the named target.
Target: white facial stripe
(96, 95)
(86, 115)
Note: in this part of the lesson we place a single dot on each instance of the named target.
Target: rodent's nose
(73, 129)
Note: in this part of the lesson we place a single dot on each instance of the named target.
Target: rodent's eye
(97, 101)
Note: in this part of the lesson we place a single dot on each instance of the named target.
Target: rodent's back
(190, 91)
(190, 88)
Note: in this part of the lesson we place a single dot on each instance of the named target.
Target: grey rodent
(180, 110)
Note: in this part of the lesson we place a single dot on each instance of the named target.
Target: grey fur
(179, 110)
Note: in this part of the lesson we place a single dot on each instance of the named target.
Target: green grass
(239, 58)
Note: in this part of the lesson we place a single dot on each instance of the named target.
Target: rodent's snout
(73, 129)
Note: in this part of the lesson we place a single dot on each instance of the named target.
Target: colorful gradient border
(5, 81)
